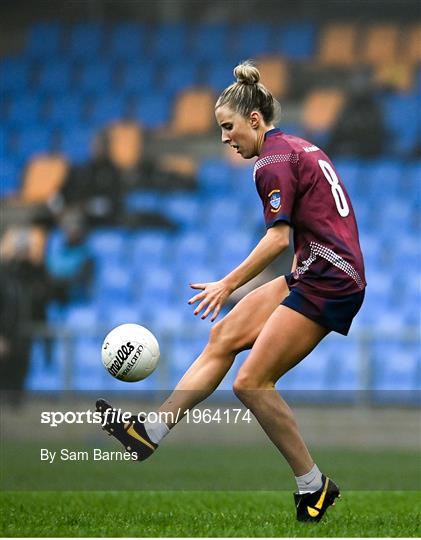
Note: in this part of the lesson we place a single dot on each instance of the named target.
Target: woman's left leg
(286, 338)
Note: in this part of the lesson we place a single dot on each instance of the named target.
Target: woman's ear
(255, 119)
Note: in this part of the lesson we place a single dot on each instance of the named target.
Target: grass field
(202, 490)
(195, 514)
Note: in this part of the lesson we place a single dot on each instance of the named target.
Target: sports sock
(156, 430)
(309, 482)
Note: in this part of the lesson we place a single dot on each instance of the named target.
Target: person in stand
(282, 321)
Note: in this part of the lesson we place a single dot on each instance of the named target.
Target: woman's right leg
(237, 331)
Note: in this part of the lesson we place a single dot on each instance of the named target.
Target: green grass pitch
(207, 491)
(195, 514)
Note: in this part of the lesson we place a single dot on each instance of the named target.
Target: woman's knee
(246, 384)
(224, 337)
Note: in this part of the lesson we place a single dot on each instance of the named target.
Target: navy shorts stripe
(333, 313)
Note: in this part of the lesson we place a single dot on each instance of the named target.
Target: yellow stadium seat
(43, 177)
(193, 113)
(412, 45)
(321, 109)
(338, 45)
(398, 75)
(381, 44)
(274, 75)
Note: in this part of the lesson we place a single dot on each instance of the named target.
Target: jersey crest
(275, 200)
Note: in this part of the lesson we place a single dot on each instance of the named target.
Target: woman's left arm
(214, 294)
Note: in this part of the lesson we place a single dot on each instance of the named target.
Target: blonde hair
(248, 94)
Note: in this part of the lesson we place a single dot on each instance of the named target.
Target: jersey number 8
(335, 187)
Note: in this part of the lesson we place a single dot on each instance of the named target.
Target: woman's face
(242, 134)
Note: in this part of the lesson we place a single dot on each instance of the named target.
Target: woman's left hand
(212, 297)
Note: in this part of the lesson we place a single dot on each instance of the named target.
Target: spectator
(118, 167)
(24, 293)
(359, 129)
(68, 262)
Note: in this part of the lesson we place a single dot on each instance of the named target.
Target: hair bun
(246, 73)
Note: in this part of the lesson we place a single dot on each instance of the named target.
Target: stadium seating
(71, 81)
(338, 44)
(321, 109)
(296, 41)
(127, 41)
(381, 44)
(183, 122)
(210, 41)
(274, 75)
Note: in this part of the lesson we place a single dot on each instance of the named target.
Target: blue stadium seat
(395, 367)
(127, 41)
(85, 41)
(123, 313)
(219, 75)
(55, 313)
(214, 176)
(113, 283)
(46, 374)
(107, 108)
(150, 248)
(81, 316)
(411, 180)
(44, 40)
(108, 244)
(143, 200)
(381, 176)
(15, 75)
(155, 289)
(66, 110)
(95, 77)
(344, 367)
(236, 246)
(297, 41)
(10, 177)
(25, 110)
(183, 208)
(76, 142)
(210, 41)
(181, 355)
(310, 375)
(166, 321)
(34, 141)
(191, 246)
(371, 247)
(88, 372)
(401, 114)
(223, 211)
(55, 77)
(177, 77)
(374, 306)
(152, 110)
(137, 77)
(195, 272)
(253, 40)
(351, 175)
(169, 41)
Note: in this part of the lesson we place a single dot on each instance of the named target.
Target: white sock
(309, 482)
(156, 431)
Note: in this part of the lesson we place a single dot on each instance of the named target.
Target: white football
(130, 352)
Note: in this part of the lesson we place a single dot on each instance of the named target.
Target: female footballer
(282, 321)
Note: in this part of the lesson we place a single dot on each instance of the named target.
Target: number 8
(335, 187)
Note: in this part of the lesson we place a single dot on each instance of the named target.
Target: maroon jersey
(298, 184)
